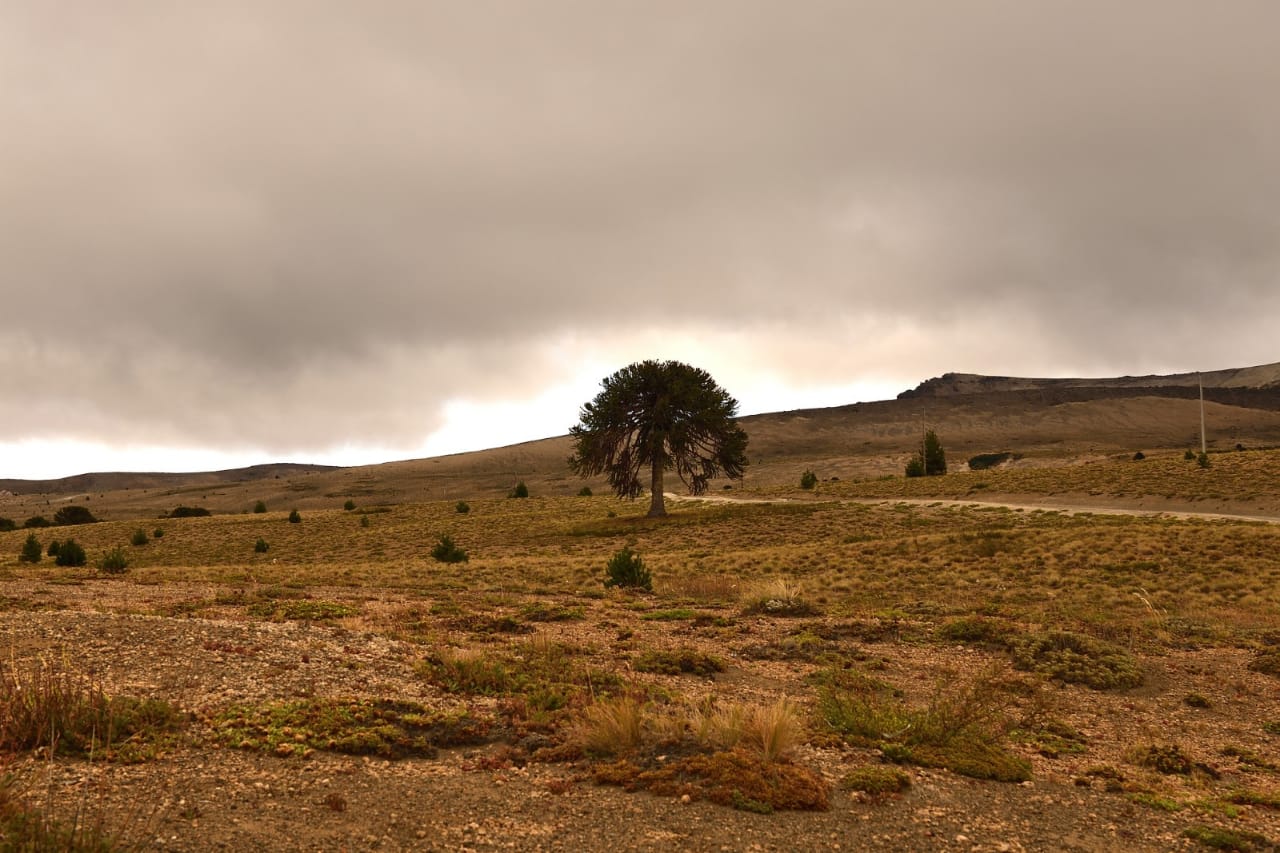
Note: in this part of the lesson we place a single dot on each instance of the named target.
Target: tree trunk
(657, 508)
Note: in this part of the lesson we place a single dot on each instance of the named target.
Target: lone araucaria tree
(655, 415)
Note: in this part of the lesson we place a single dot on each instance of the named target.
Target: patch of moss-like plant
(1168, 759)
(736, 778)
(300, 610)
(391, 729)
(540, 611)
(961, 730)
(1077, 659)
(543, 670)
(979, 631)
(1051, 738)
(876, 780)
(1218, 838)
(1267, 662)
(678, 662)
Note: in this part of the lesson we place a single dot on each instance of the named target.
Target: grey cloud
(288, 223)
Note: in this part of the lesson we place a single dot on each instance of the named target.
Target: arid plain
(1077, 649)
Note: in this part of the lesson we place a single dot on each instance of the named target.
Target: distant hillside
(1044, 421)
(111, 481)
(1264, 377)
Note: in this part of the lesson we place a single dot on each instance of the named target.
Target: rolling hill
(1045, 421)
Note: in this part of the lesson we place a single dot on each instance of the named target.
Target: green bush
(462, 507)
(626, 569)
(349, 505)
(30, 550)
(446, 551)
(1190, 456)
(682, 661)
(36, 521)
(520, 491)
(1077, 659)
(7, 524)
(294, 517)
(139, 537)
(584, 492)
(876, 780)
(962, 730)
(260, 507)
(158, 533)
(808, 480)
(261, 546)
(983, 461)
(930, 460)
(114, 562)
(189, 512)
(73, 514)
(1203, 460)
(364, 521)
(979, 630)
(69, 553)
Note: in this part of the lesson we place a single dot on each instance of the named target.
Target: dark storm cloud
(288, 224)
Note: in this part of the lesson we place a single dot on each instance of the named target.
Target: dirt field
(819, 673)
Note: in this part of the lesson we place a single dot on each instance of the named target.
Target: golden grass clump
(611, 727)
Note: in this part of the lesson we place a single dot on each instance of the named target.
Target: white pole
(1203, 447)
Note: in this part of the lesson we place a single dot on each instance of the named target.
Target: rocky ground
(200, 794)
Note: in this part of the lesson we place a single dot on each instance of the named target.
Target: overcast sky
(344, 232)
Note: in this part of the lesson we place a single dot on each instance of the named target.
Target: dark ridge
(112, 481)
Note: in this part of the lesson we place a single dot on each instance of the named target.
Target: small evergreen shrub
(37, 521)
(114, 562)
(1190, 455)
(261, 546)
(876, 780)
(584, 492)
(30, 550)
(364, 521)
(1203, 460)
(73, 514)
(158, 533)
(349, 505)
(139, 537)
(294, 517)
(7, 524)
(626, 569)
(462, 507)
(808, 480)
(54, 547)
(983, 461)
(189, 512)
(70, 554)
(446, 551)
(915, 468)
(1077, 659)
(260, 507)
(1139, 456)
(520, 491)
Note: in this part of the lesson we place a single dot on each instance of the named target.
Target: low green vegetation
(386, 728)
(446, 551)
(626, 569)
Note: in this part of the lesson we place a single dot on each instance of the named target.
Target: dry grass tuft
(611, 727)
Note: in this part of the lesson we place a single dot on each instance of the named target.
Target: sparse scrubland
(801, 674)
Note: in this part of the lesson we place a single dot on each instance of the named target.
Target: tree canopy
(656, 415)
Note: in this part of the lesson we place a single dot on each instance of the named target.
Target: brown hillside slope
(1046, 421)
